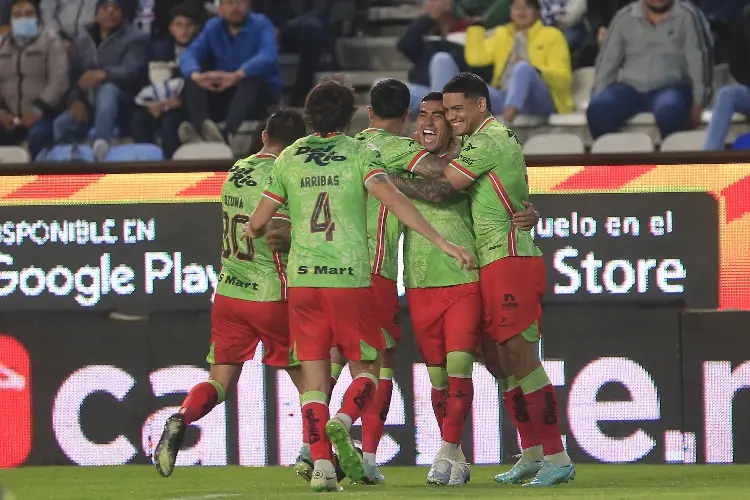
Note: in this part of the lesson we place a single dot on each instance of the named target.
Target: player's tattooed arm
(433, 190)
(279, 235)
(431, 167)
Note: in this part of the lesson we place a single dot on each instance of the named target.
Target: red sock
(517, 408)
(439, 396)
(542, 407)
(373, 419)
(314, 418)
(200, 400)
(460, 397)
(358, 397)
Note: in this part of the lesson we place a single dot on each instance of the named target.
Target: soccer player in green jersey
(325, 178)
(250, 304)
(512, 273)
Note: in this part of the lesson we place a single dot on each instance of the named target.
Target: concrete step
(361, 80)
(371, 53)
(403, 12)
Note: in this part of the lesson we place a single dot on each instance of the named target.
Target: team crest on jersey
(373, 147)
(321, 156)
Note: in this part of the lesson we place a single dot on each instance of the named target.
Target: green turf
(610, 482)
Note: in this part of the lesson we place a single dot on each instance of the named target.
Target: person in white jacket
(568, 16)
(67, 17)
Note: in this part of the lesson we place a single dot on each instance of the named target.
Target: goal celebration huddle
(312, 225)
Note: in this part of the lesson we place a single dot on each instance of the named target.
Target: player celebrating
(251, 296)
(324, 178)
(388, 110)
(512, 273)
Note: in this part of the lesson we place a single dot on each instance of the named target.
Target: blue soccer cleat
(523, 469)
(551, 474)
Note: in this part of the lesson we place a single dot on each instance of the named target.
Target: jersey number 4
(231, 246)
(322, 209)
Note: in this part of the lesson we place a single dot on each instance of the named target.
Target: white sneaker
(101, 148)
(373, 475)
(460, 474)
(324, 477)
(440, 472)
(211, 132)
(188, 134)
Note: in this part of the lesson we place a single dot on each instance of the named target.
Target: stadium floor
(611, 482)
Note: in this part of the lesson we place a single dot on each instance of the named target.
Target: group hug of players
(311, 233)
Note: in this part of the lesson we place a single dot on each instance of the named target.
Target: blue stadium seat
(135, 152)
(742, 142)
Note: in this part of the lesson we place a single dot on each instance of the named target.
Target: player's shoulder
(493, 134)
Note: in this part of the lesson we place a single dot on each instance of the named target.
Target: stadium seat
(525, 121)
(691, 140)
(14, 154)
(203, 151)
(742, 143)
(643, 119)
(135, 152)
(554, 144)
(583, 86)
(623, 142)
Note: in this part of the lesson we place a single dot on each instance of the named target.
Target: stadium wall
(634, 253)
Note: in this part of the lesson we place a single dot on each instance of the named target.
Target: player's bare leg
(520, 356)
(316, 381)
(357, 398)
(530, 460)
(199, 402)
(374, 417)
(338, 361)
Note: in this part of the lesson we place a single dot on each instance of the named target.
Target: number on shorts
(231, 245)
(322, 207)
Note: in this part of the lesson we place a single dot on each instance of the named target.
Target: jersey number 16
(230, 245)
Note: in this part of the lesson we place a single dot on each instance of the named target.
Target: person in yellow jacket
(532, 72)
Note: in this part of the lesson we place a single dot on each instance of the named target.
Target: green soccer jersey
(398, 154)
(493, 158)
(249, 269)
(322, 179)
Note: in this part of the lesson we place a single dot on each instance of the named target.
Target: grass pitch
(610, 482)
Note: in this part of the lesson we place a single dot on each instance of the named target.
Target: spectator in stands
(736, 97)
(532, 73)
(109, 60)
(301, 33)
(165, 115)
(567, 15)
(154, 17)
(68, 17)
(244, 79)
(430, 57)
(663, 54)
(33, 79)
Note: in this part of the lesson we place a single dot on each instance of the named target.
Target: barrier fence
(631, 250)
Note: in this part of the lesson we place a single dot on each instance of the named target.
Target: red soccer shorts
(512, 291)
(343, 317)
(238, 325)
(386, 294)
(445, 319)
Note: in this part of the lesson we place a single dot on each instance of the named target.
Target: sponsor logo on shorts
(325, 270)
(509, 301)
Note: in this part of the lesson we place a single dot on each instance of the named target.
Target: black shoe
(165, 455)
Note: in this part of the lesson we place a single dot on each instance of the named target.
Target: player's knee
(388, 358)
(438, 377)
(460, 364)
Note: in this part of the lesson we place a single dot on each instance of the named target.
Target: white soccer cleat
(372, 474)
(324, 477)
(460, 474)
(440, 472)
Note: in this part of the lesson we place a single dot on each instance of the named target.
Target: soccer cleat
(460, 474)
(440, 472)
(349, 458)
(372, 474)
(304, 466)
(165, 455)
(522, 470)
(551, 474)
(324, 477)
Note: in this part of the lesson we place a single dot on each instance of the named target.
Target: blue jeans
(619, 102)
(527, 91)
(39, 136)
(730, 99)
(108, 98)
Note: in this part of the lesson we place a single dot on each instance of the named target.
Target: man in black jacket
(734, 98)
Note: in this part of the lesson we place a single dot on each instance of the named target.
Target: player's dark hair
(435, 95)
(390, 99)
(285, 126)
(329, 107)
(470, 85)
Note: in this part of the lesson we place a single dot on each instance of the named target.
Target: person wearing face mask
(657, 57)
(33, 79)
